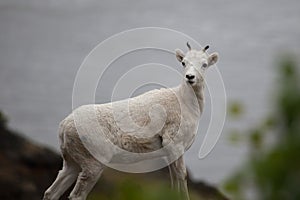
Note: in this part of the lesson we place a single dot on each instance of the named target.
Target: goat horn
(205, 48)
(188, 45)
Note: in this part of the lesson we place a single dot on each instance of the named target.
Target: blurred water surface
(42, 44)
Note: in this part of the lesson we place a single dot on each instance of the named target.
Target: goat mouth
(191, 82)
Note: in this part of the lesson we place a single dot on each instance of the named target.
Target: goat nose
(189, 76)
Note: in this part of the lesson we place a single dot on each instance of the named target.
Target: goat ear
(179, 55)
(213, 58)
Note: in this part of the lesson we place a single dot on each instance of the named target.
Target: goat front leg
(180, 172)
(177, 173)
(172, 176)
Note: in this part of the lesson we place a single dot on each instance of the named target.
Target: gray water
(42, 44)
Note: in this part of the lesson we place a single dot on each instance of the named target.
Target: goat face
(195, 64)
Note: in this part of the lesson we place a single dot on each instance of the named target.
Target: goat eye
(183, 63)
(204, 65)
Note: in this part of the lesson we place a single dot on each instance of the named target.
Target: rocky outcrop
(28, 169)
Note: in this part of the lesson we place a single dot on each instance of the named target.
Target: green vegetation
(273, 168)
(130, 190)
(116, 185)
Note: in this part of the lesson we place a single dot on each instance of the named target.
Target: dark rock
(26, 169)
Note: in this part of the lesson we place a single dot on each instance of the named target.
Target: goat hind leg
(86, 180)
(63, 181)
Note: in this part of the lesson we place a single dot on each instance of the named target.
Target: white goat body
(142, 124)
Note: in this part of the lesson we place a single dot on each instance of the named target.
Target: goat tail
(61, 136)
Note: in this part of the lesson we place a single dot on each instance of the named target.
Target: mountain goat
(158, 118)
